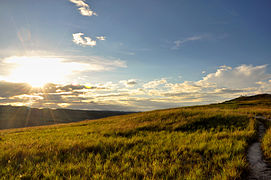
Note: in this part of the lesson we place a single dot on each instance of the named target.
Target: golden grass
(205, 142)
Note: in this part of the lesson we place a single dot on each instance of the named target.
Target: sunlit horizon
(132, 56)
(39, 71)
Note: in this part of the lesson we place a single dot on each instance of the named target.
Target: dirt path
(260, 169)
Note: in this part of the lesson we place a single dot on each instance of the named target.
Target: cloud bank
(136, 95)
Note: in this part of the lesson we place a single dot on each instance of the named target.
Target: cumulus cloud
(102, 38)
(57, 88)
(223, 84)
(155, 83)
(243, 76)
(83, 41)
(226, 83)
(83, 8)
(129, 83)
(186, 86)
(226, 80)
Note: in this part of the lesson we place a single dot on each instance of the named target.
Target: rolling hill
(259, 99)
(18, 117)
(200, 142)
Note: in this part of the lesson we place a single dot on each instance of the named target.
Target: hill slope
(260, 99)
(17, 117)
(205, 142)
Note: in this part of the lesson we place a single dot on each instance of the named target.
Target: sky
(133, 55)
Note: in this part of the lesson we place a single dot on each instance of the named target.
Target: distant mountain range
(17, 117)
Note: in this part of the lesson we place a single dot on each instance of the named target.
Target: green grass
(266, 141)
(266, 144)
(205, 142)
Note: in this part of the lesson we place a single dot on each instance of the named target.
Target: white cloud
(38, 70)
(185, 87)
(243, 76)
(179, 43)
(155, 83)
(103, 63)
(84, 41)
(83, 8)
(102, 38)
(223, 84)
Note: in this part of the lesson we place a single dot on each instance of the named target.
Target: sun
(38, 71)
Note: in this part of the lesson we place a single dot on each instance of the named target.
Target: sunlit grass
(266, 141)
(184, 143)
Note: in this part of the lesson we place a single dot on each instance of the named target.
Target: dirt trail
(260, 169)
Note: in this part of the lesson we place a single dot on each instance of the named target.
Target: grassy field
(204, 142)
(266, 142)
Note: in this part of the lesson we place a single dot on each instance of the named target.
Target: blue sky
(176, 43)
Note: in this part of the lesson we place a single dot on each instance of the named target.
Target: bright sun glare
(37, 71)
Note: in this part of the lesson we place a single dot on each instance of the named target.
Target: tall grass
(183, 143)
(266, 141)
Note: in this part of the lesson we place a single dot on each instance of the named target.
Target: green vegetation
(266, 142)
(204, 142)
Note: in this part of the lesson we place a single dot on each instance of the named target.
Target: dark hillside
(263, 100)
(17, 117)
(258, 97)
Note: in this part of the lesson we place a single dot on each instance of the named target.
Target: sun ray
(38, 71)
